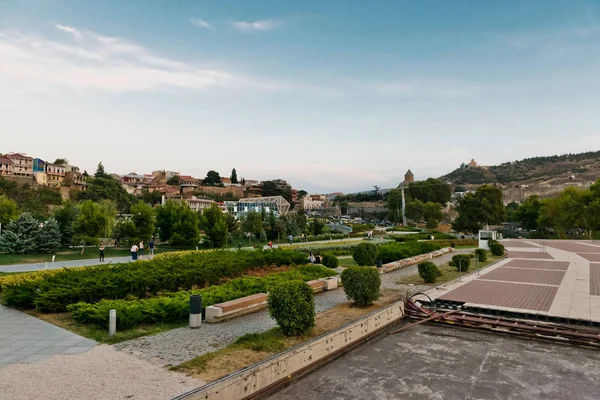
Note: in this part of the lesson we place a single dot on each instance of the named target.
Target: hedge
(362, 285)
(481, 255)
(330, 261)
(365, 254)
(335, 248)
(175, 306)
(292, 305)
(429, 271)
(461, 262)
(496, 248)
(397, 251)
(141, 279)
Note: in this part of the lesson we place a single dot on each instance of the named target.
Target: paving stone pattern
(543, 277)
(553, 265)
(529, 254)
(595, 279)
(590, 256)
(26, 339)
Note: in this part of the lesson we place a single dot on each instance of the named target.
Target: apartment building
(6, 166)
(55, 174)
(22, 164)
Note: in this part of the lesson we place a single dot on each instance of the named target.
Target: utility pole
(403, 207)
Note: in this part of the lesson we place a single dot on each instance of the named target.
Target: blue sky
(331, 95)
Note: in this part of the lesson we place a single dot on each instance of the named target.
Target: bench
(235, 308)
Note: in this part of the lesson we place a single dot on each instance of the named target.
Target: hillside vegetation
(536, 168)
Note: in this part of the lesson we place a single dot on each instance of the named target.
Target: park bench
(235, 308)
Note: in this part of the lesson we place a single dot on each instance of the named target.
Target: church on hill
(408, 178)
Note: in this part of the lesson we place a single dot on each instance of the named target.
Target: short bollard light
(195, 310)
(112, 322)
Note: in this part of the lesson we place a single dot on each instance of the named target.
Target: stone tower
(409, 177)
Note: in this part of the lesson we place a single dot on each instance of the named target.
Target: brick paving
(595, 279)
(530, 254)
(504, 294)
(572, 247)
(519, 243)
(590, 256)
(538, 264)
(542, 277)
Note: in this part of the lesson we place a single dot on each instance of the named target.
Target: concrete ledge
(254, 380)
(236, 308)
(389, 267)
(317, 285)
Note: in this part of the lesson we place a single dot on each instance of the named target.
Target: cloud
(258, 26)
(201, 23)
(88, 61)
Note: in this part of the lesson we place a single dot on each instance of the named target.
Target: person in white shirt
(134, 250)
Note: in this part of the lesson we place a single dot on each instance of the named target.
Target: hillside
(536, 170)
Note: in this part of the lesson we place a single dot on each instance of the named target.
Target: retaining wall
(256, 379)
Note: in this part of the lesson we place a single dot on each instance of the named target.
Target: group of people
(136, 250)
(314, 259)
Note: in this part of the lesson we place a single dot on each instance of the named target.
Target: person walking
(134, 250)
(151, 246)
(101, 249)
(291, 239)
(141, 248)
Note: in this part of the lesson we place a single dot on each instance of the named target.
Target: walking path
(27, 339)
(114, 260)
(179, 345)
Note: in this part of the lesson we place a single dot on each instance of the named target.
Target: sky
(330, 95)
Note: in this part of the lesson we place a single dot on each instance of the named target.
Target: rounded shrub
(496, 248)
(362, 285)
(428, 271)
(292, 305)
(365, 254)
(461, 262)
(481, 255)
(330, 261)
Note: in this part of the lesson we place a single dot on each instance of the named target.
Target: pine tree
(49, 237)
(21, 235)
(234, 178)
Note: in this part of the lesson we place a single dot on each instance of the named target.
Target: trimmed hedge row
(141, 279)
(175, 306)
(335, 248)
(397, 251)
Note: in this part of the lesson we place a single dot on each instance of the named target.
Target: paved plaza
(550, 277)
(26, 339)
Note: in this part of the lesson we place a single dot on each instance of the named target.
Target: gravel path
(100, 374)
(179, 345)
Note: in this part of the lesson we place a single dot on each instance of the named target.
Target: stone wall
(519, 194)
(237, 191)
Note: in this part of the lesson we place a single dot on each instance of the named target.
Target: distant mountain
(585, 166)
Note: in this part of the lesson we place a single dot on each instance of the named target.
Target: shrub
(330, 261)
(481, 255)
(461, 262)
(390, 252)
(362, 285)
(496, 248)
(176, 271)
(428, 271)
(292, 305)
(175, 306)
(365, 254)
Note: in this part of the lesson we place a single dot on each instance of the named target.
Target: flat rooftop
(550, 277)
(439, 362)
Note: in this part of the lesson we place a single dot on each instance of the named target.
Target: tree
(174, 180)
(528, 213)
(104, 187)
(214, 223)
(61, 161)
(164, 219)
(125, 231)
(365, 254)
(154, 197)
(292, 305)
(432, 214)
(362, 284)
(475, 209)
(8, 210)
(414, 210)
(394, 205)
(212, 178)
(100, 173)
(90, 224)
(510, 211)
(177, 223)
(252, 223)
(21, 235)
(234, 178)
(142, 216)
(49, 237)
(65, 216)
(270, 188)
(434, 190)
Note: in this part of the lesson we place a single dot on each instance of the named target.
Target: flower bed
(175, 306)
(141, 279)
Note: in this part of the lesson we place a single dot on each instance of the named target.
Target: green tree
(270, 188)
(184, 229)
(528, 212)
(394, 205)
(252, 223)
(100, 173)
(234, 178)
(432, 190)
(143, 217)
(432, 214)
(89, 225)
(174, 180)
(65, 216)
(510, 211)
(164, 219)
(108, 208)
(61, 161)
(8, 210)
(49, 237)
(21, 235)
(362, 284)
(292, 305)
(214, 223)
(485, 206)
(152, 198)
(415, 210)
(212, 178)
(104, 187)
(125, 231)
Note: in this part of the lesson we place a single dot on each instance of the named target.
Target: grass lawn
(65, 321)
(448, 273)
(75, 254)
(252, 348)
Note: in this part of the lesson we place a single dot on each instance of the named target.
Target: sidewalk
(114, 260)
